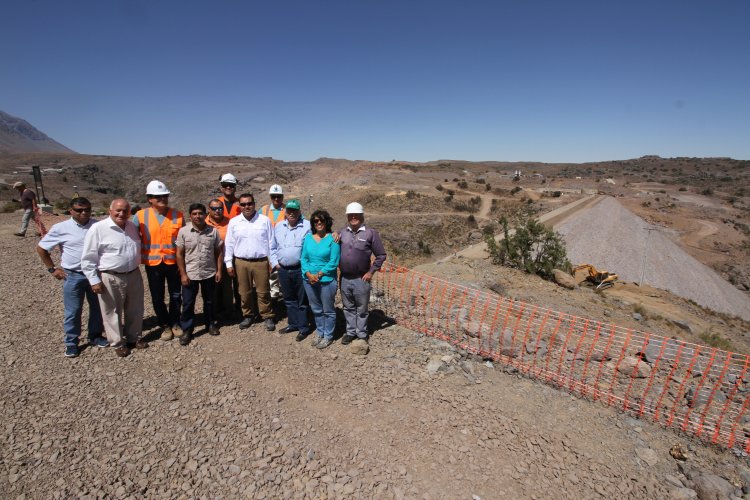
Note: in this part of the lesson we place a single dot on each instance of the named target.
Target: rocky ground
(258, 415)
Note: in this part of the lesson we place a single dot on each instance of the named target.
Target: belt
(352, 276)
(117, 272)
(289, 268)
(257, 259)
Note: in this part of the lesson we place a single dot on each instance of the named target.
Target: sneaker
(71, 351)
(177, 331)
(316, 340)
(300, 337)
(186, 338)
(270, 325)
(122, 351)
(213, 330)
(167, 334)
(322, 344)
(99, 342)
(347, 339)
(246, 323)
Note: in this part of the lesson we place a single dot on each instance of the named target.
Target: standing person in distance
(358, 244)
(247, 247)
(320, 259)
(276, 213)
(158, 226)
(28, 204)
(228, 196)
(286, 251)
(199, 257)
(226, 289)
(69, 236)
(110, 258)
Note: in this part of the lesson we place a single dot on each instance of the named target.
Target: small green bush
(11, 207)
(715, 340)
(533, 248)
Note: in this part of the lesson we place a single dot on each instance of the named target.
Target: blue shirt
(286, 244)
(320, 256)
(69, 236)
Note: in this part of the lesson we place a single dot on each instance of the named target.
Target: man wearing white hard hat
(158, 226)
(358, 244)
(229, 196)
(276, 213)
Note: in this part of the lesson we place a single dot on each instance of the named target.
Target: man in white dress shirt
(111, 255)
(247, 247)
(68, 237)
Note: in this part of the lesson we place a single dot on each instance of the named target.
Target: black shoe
(270, 325)
(288, 329)
(186, 338)
(301, 336)
(213, 330)
(246, 323)
(347, 339)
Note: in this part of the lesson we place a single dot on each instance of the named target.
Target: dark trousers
(189, 294)
(295, 298)
(156, 276)
(223, 298)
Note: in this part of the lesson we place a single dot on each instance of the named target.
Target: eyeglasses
(277, 196)
(217, 209)
(318, 221)
(247, 204)
(80, 210)
(225, 185)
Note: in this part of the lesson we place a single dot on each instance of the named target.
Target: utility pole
(645, 253)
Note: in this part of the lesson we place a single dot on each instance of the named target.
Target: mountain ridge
(19, 136)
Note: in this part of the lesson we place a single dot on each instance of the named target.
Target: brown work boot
(139, 344)
(122, 351)
(177, 331)
(167, 334)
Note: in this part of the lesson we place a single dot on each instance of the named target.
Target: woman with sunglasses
(320, 259)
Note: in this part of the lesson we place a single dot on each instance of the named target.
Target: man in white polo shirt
(247, 247)
(69, 236)
(111, 255)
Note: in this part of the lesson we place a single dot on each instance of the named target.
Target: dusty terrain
(259, 415)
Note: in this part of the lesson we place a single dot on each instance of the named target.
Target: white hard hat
(156, 188)
(354, 208)
(275, 189)
(228, 178)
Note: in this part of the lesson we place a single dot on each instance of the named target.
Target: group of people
(231, 253)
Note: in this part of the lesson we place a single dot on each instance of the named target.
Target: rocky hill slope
(19, 136)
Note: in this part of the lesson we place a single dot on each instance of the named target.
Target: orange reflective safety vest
(157, 240)
(268, 212)
(231, 212)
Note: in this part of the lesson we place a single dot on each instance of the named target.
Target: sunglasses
(229, 186)
(247, 204)
(318, 221)
(81, 210)
(217, 209)
(276, 196)
(160, 196)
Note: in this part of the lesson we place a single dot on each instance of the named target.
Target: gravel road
(611, 237)
(253, 414)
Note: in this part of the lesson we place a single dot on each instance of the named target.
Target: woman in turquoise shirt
(320, 259)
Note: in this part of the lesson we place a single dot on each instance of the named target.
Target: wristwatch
(51, 269)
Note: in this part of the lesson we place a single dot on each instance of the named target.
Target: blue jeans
(321, 297)
(355, 297)
(156, 276)
(293, 290)
(75, 289)
(189, 294)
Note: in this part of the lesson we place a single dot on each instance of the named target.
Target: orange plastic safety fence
(689, 387)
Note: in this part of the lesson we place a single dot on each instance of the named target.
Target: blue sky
(410, 80)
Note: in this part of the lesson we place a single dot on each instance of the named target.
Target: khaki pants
(253, 281)
(121, 303)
